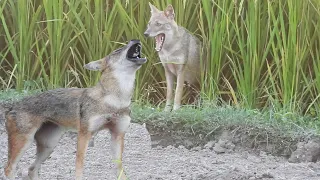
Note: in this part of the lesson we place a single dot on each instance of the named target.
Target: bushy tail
(5, 107)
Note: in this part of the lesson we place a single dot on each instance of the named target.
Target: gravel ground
(142, 162)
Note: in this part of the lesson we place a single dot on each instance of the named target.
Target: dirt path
(161, 163)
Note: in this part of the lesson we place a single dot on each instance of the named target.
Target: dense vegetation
(262, 54)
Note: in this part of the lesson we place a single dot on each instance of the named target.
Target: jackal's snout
(146, 33)
(129, 53)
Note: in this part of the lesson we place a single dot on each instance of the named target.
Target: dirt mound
(306, 152)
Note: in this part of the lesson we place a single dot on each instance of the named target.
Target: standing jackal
(46, 116)
(179, 52)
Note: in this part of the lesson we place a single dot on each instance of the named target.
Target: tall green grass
(259, 54)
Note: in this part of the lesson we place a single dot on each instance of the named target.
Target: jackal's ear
(153, 8)
(169, 12)
(96, 65)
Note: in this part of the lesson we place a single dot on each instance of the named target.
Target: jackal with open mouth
(45, 117)
(179, 52)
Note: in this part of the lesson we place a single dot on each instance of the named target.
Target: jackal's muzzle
(134, 52)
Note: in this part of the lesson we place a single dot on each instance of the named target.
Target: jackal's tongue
(159, 41)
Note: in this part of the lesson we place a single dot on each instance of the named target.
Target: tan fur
(179, 55)
(46, 116)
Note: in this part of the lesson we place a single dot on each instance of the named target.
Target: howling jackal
(46, 116)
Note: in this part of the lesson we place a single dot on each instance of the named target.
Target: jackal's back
(60, 106)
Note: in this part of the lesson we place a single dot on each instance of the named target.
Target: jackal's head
(125, 59)
(161, 24)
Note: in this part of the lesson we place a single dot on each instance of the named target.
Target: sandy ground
(160, 163)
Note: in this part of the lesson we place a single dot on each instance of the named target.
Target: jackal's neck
(176, 34)
(117, 86)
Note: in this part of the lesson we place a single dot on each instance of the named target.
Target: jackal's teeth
(135, 55)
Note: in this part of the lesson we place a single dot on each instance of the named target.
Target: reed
(259, 54)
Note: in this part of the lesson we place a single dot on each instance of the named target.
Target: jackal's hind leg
(47, 138)
(19, 139)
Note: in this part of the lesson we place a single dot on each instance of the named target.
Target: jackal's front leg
(169, 95)
(117, 144)
(83, 141)
(179, 88)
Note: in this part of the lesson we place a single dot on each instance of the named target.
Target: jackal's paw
(9, 174)
(6, 178)
(91, 143)
(167, 109)
(32, 176)
(122, 176)
(176, 107)
(2, 176)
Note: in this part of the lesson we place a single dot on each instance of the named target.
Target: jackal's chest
(116, 102)
(108, 120)
(167, 56)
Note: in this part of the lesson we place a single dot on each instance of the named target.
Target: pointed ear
(169, 12)
(153, 8)
(96, 65)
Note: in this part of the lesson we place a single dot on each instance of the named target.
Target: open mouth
(159, 41)
(134, 54)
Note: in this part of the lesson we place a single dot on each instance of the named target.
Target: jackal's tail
(5, 107)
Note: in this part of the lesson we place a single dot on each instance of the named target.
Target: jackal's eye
(158, 24)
